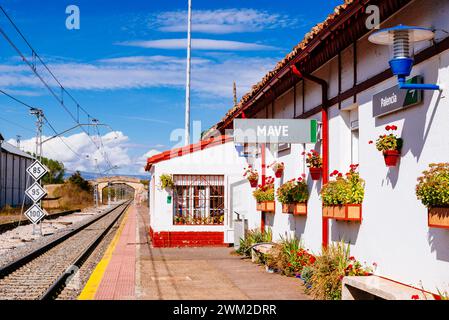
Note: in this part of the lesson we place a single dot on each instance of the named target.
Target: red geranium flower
(370, 142)
(415, 297)
(387, 128)
(351, 258)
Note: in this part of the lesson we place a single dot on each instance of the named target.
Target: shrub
(72, 196)
(433, 187)
(329, 269)
(289, 257)
(78, 180)
(306, 276)
(252, 237)
(265, 192)
(167, 181)
(344, 190)
(293, 191)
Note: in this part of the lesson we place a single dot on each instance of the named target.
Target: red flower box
(253, 183)
(391, 157)
(315, 173)
(344, 212)
(266, 206)
(438, 217)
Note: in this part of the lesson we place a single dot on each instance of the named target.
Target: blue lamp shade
(401, 66)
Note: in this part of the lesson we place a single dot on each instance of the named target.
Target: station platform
(133, 269)
(115, 275)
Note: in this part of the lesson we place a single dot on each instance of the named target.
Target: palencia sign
(394, 99)
(275, 131)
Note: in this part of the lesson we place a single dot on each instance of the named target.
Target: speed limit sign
(35, 214)
(35, 192)
(37, 170)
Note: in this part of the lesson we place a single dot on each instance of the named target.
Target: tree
(78, 180)
(56, 171)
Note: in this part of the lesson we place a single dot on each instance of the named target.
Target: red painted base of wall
(170, 239)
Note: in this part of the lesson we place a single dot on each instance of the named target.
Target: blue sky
(126, 66)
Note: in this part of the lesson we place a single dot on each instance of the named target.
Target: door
(238, 207)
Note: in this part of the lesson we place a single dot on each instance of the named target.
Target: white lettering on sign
(386, 101)
(275, 131)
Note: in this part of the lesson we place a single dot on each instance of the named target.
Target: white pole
(189, 44)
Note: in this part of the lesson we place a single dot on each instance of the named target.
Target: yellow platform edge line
(90, 289)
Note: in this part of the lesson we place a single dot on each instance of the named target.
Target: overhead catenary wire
(33, 68)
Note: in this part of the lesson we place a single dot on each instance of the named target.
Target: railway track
(43, 273)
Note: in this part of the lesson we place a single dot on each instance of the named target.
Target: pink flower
(303, 175)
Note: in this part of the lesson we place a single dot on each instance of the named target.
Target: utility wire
(33, 68)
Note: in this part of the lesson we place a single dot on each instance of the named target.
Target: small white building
(340, 74)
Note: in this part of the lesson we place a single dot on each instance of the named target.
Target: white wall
(394, 231)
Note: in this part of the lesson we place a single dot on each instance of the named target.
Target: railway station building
(13, 176)
(340, 78)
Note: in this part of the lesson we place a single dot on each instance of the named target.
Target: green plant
(388, 142)
(293, 191)
(275, 166)
(433, 187)
(167, 181)
(265, 192)
(443, 295)
(306, 276)
(251, 174)
(313, 159)
(330, 267)
(252, 237)
(78, 180)
(344, 190)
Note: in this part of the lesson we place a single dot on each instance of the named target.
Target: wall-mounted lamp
(401, 39)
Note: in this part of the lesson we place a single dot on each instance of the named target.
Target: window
(198, 199)
(354, 137)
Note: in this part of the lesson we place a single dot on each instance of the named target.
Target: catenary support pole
(189, 44)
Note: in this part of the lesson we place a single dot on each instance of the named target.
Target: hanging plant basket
(391, 157)
(438, 217)
(300, 209)
(266, 206)
(315, 173)
(253, 183)
(279, 173)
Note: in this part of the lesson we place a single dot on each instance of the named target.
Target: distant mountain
(93, 175)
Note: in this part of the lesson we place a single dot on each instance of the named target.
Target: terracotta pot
(391, 157)
(288, 208)
(315, 173)
(328, 211)
(253, 183)
(300, 209)
(279, 173)
(266, 206)
(438, 217)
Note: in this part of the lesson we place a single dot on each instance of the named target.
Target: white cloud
(209, 77)
(197, 44)
(221, 21)
(115, 146)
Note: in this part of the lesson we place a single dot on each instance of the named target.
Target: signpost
(35, 192)
(395, 99)
(275, 131)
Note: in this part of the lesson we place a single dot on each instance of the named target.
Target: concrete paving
(204, 273)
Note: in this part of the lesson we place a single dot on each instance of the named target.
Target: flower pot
(328, 211)
(266, 206)
(288, 208)
(300, 209)
(391, 157)
(339, 212)
(438, 217)
(345, 212)
(315, 173)
(279, 173)
(253, 183)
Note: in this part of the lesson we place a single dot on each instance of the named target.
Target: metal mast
(189, 44)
